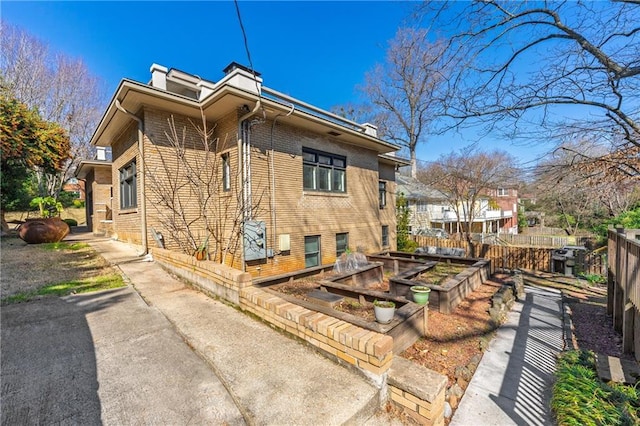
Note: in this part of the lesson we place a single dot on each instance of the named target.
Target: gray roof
(413, 189)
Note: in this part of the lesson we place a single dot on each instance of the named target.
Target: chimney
(242, 77)
(370, 129)
(101, 153)
(159, 76)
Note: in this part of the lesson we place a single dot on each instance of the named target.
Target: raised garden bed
(448, 292)
(349, 297)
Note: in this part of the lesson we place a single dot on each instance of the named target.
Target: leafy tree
(403, 216)
(28, 144)
(628, 220)
(60, 87)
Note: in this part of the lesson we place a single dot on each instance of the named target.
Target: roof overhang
(85, 167)
(393, 160)
(133, 96)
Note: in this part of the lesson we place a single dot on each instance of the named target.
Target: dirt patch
(27, 267)
(439, 273)
(302, 287)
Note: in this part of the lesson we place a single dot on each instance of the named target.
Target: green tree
(27, 144)
(403, 215)
(628, 220)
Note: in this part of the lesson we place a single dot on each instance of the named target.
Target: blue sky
(317, 52)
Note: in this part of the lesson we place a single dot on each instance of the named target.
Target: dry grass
(28, 267)
(69, 213)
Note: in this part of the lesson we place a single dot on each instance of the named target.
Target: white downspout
(274, 222)
(143, 201)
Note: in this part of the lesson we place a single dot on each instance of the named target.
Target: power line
(246, 46)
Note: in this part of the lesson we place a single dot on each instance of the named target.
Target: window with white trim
(503, 192)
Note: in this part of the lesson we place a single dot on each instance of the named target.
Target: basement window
(311, 251)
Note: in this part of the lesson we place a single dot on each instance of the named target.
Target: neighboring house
(432, 209)
(96, 178)
(427, 206)
(76, 186)
(298, 184)
(507, 200)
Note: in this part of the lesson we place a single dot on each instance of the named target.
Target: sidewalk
(272, 379)
(512, 385)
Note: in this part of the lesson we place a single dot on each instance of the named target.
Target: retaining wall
(367, 351)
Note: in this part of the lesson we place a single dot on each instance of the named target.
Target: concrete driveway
(103, 358)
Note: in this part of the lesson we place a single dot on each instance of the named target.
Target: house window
(422, 206)
(311, 251)
(382, 194)
(323, 172)
(128, 187)
(226, 172)
(342, 243)
(503, 192)
(385, 235)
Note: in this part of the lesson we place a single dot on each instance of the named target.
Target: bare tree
(570, 69)
(194, 191)
(404, 89)
(60, 87)
(565, 196)
(467, 176)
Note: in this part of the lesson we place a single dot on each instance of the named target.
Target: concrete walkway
(512, 385)
(272, 379)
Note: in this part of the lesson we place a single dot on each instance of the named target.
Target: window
(342, 243)
(311, 251)
(226, 172)
(128, 187)
(382, 194)
(422, 206)
(323, 172)
(503, 192)
(385, 235)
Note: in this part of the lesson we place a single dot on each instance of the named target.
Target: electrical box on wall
(255, 240)
(284, 242)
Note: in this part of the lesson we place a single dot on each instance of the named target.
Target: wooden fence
(623, 295)
(510, 257)
(547, 241)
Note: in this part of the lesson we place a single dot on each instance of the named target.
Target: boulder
(38, 231)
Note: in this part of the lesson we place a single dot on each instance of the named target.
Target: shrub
(581, 398)
(71, 222)
(67, 198)
(78, 204)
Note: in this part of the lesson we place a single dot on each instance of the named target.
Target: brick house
(95, 176)
(293, 186)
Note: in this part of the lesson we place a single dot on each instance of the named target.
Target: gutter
(143, 201)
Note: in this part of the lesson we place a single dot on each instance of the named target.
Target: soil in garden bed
(360, 308)
(440, 272)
